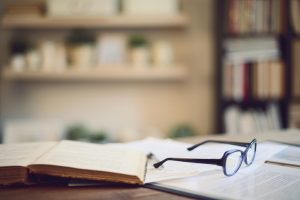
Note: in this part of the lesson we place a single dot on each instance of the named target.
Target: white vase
(49, 55)
(162, 53)
(81, 56)
(33, 60)
(140, 57)
(18, 63)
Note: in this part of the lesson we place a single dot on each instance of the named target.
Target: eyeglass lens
(250, 153)
(233, 162)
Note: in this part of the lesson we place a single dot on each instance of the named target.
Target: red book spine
(246, 84)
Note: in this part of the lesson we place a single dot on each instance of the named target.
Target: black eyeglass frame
(222, 161)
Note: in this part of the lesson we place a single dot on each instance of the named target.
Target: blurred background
(122, 70)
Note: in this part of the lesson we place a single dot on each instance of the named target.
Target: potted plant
(18, 49)
(139, 51)
(81, 50)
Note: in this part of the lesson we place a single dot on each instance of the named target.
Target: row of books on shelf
(244, 81)
(255, 120)
(294, 115)
(254, 16)
(252, 69)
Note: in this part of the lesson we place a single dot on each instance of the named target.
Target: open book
(71, 160)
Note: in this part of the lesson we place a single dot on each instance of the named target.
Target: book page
(266, 182)
(22, 154)
(96, 157)
(288, 156)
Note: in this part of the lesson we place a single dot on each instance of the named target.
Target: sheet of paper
(96, 157)
(172, 170)
(266, 182)
(22, 154)
(290, 156)
(162, 149)
(265, 150)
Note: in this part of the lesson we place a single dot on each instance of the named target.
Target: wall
(116, 106)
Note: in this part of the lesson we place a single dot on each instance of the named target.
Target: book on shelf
(296, 68)
(254, 16)
(253, 120)
(69, 159)
(294, 115)
(295, 15)
(252, 70)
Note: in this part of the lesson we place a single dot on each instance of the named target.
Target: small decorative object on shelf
(162, 53)
(139, 51)
(18, 49)
(81, 50)
(49, 51)
(33, 59)
(111, 49)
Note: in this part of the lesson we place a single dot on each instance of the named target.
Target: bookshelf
(253, 65)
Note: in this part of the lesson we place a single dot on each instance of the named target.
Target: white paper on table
(266, 182)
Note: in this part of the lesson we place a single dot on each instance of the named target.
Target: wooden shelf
(253, 103)
(108, 74)
(121, 21)
(295, 99)
(251, 35)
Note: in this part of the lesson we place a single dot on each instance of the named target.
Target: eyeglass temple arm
(191, 160)
(218, 141)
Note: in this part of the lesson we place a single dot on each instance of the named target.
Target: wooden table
(124, 192)
(85, 193)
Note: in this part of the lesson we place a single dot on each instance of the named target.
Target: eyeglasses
(231, 160)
